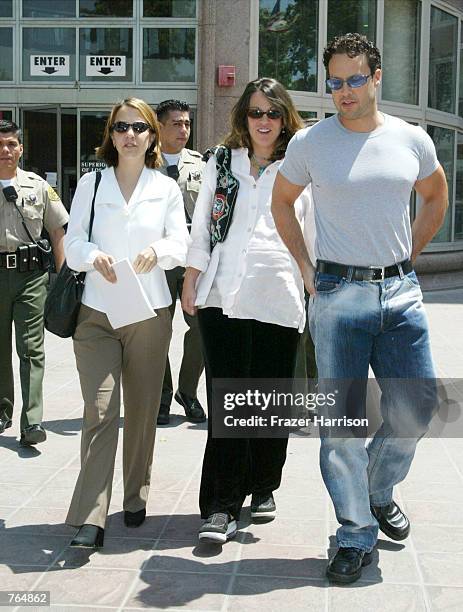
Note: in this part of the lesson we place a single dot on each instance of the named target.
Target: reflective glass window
(169, 54)
(288, 42)
(49, 54)
(44, 9)
(442, 61)
(6, 54)
(460, 105)
(401, 51)
(106, 54)
(444, 140)
(6, 114)
(459, 190)
(169, 8)
(308, 114)
(6, 8)
(351, 16)
(107, 8)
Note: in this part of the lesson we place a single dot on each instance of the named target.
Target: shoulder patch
(52, 195)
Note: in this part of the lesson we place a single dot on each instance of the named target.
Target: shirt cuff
(92, 256)
(197, 259)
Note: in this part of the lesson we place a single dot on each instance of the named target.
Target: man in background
(184, 166)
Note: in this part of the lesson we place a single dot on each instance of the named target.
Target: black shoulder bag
(64, 298)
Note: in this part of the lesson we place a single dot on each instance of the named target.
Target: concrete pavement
(267, 567)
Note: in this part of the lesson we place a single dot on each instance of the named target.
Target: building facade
(63, 63)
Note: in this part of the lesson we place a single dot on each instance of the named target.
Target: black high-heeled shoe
(134, 519)
(88, 536)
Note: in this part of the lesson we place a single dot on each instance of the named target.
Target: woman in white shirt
(138, 216)
(248, 293)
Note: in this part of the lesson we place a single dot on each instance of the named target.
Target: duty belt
(8, 260)
(370, 273)
(25, 259)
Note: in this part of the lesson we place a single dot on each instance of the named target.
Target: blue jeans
(357, 324)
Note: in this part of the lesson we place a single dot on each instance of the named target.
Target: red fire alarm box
(226, 76)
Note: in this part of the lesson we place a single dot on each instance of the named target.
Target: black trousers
(241, 348)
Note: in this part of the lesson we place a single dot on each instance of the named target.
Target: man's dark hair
(164, 107)
(353, 45)
(7, 127)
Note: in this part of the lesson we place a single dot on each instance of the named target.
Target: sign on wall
(105, 65)
(50, 65)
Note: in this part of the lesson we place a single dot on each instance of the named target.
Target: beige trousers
(137, 355)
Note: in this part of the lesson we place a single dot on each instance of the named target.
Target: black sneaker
(392, 521)
(263, 507)
(218, 528)
(346, 565)
(34, 434)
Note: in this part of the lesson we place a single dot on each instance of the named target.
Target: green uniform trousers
(22, 298)
(192, 364)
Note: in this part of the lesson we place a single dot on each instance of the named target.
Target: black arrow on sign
(105, 70)
(49, 70)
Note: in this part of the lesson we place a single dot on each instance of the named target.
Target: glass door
(92, 125)
(50, 146)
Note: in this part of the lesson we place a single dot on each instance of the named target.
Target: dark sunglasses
(122, 126)
(354, 81)
(257, 113)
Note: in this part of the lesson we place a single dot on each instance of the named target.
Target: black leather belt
(9, 261)
(25, 259)
(364, 274)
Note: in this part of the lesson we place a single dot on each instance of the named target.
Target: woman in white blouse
(248, 293)
(139, 216)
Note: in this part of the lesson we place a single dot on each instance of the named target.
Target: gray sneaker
(218, 528)
(263, 507)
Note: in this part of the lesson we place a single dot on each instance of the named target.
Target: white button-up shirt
(153, 217)
(251, 275)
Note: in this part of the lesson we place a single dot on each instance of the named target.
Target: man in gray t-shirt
(366, 304)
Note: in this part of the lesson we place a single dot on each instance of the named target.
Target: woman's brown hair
(107, 150)
(280, 100)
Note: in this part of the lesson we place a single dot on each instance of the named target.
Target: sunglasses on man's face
(354, 81)
(257, 113)
(122, 126)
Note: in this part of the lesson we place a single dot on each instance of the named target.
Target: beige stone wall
(225, 38)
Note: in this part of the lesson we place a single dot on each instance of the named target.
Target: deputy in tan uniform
(27, 204)
(186, 167)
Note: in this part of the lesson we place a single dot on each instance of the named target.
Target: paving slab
(274, 566)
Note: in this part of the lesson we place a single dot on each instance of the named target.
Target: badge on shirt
(195, 175)
(32, 198)
(52, 195)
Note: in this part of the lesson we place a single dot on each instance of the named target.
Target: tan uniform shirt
(190, 168)
(40, 205)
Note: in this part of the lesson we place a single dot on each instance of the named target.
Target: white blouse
(154, 216)
(251, 275)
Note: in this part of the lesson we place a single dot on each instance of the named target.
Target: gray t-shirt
(361, 186)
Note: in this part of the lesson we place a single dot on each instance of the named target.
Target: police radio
(10, 194)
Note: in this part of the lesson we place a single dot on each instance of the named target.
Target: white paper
(125, 302)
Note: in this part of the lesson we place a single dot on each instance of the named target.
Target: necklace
(258, 166)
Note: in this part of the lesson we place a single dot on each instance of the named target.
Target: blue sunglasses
(354, 81)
